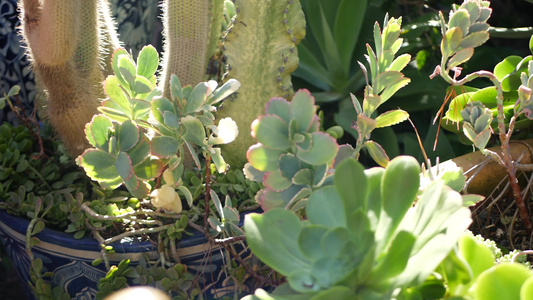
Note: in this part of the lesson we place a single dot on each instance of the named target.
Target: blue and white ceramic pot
(71, 259)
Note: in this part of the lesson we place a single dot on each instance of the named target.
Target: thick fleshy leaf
(391, 117)
(262, 158)
(395, 258)
(503, 281)
(230, 87)
(273, 238)
(279, 107)
(164, 146)
(289, 165)
(461, 19)
(124, 166)
(275, 181)
(377, 153)
(399, 187)
(474, 40)
(390, 90)
(302, 110)
(351, 184)
(451, 41)
(149, 169)
(385, 79)
(128, 135)
(114, 63)
(127, 69)
(303, 177)
(197, 97)
(325, 207)
(323, 149)
(159, 107)
(95, 159)
(114, 114)
(460, 57)
(141, 86)
(147, 61)
(194, 130)
(308, 239)
(97, 131)
(399, 63)
(140, 152)
(115, 92)
(272, 132)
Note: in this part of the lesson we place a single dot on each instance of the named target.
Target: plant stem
(207, 189)
(504, 139)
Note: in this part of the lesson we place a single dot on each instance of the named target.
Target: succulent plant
(292, 156)
(139, 133)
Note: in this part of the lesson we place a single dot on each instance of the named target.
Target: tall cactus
(66, 42)
(261, 53)
(192, 31)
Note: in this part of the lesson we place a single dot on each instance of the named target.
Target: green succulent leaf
(351, 184)
(194, 130)
(97, 131)
(460, 57)
(377, 153)
(147, 61)
(503, 281)
(128, 135)
(164, 146)
(323, 149)
(272, 132)
(302, 109)
(197, 98)
(281, 226)
(149, 169)
(391, 117)
(262, 158)
(330, 215)
(114, 91)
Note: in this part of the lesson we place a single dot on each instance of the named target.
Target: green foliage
(473, 271)
(125, 149)
(292, 156)
(365, 244)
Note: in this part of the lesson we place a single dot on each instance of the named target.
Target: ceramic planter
(70, 259)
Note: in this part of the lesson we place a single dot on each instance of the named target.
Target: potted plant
(163, 156)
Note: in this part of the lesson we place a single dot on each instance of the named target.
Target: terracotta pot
(71, 259)
(489, 175)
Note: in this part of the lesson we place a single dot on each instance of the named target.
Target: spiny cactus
(261, 53)
(192, 30)
(65, 42)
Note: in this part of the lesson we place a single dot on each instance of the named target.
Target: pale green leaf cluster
(140, 133)
(363, 237)
(292, 156)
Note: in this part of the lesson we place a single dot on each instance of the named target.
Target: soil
(498, 219)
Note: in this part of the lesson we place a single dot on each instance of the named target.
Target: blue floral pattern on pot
(71, 259)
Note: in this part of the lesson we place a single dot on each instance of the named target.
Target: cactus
(261, 53)
(65, 43)
(193, 30)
